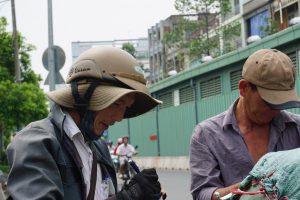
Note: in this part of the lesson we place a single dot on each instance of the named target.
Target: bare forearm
(224, 191)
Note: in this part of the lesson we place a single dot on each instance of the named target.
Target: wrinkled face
(114, 113)
(257, 109)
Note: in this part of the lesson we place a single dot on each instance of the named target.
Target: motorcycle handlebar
(137, 170)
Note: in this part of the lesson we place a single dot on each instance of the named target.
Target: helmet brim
(104, 96)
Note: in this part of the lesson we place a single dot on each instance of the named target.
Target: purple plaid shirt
(219, 156)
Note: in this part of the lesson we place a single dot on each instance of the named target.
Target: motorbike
(136, 170)
(116, 162)
(129, 172)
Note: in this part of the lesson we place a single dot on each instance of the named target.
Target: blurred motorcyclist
(125, 151)
(110, 146)
(119, 142)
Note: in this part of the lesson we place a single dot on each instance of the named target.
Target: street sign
(59, 61)
(58, 79)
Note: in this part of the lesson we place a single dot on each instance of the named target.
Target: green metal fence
(195, 95)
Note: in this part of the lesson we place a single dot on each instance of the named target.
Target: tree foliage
(271, 28)
(199, 6)
(129, 48)
(187, 35)
(20, 103)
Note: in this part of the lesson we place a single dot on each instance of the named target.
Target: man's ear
(243, 87)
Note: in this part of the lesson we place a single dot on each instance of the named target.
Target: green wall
(174, 125)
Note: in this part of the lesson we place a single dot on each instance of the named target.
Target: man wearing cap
(62, 156)
(225, 147)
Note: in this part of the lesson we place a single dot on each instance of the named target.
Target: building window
(257, 22)
(235, 77)
(186, 94)
(236, 7)
(289, 10)
(167, 99)
(293, 57)
(211, 87)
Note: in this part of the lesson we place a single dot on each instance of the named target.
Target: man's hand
(143, 186)
(225, 191)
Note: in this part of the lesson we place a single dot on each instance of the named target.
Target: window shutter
(210, 87)
(186, 94)
(167, 99)
(235, 77)
(293, 57)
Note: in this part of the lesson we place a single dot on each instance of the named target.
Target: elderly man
(225, 147)
(62, 156)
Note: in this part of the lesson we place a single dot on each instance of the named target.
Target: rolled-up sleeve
(205, 173)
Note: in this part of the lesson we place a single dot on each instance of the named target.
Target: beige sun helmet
(109, 62)
(116, 72)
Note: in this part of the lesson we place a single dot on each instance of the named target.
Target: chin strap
(87, 126)
(81, 105)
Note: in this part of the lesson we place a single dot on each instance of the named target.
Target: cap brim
(104, 96)
(279, 99)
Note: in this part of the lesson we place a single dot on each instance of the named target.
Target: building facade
(200, 90)
(207, 89)
(140, 45)
(167, 61)
(253, 20)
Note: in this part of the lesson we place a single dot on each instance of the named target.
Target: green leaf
(20, 103)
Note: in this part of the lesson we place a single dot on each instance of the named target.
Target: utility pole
(15, 43)
(51, 63)
(206, 24)
(281, 15)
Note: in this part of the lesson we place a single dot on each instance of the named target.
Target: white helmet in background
(120, 140)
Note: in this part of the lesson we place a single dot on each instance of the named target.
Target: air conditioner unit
(206, 59)
(253, 38)
(172, 73)
(295, 20)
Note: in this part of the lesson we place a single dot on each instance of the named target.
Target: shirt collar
(230, 119)
(282, 119)
(279, 121)
(70, 126)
